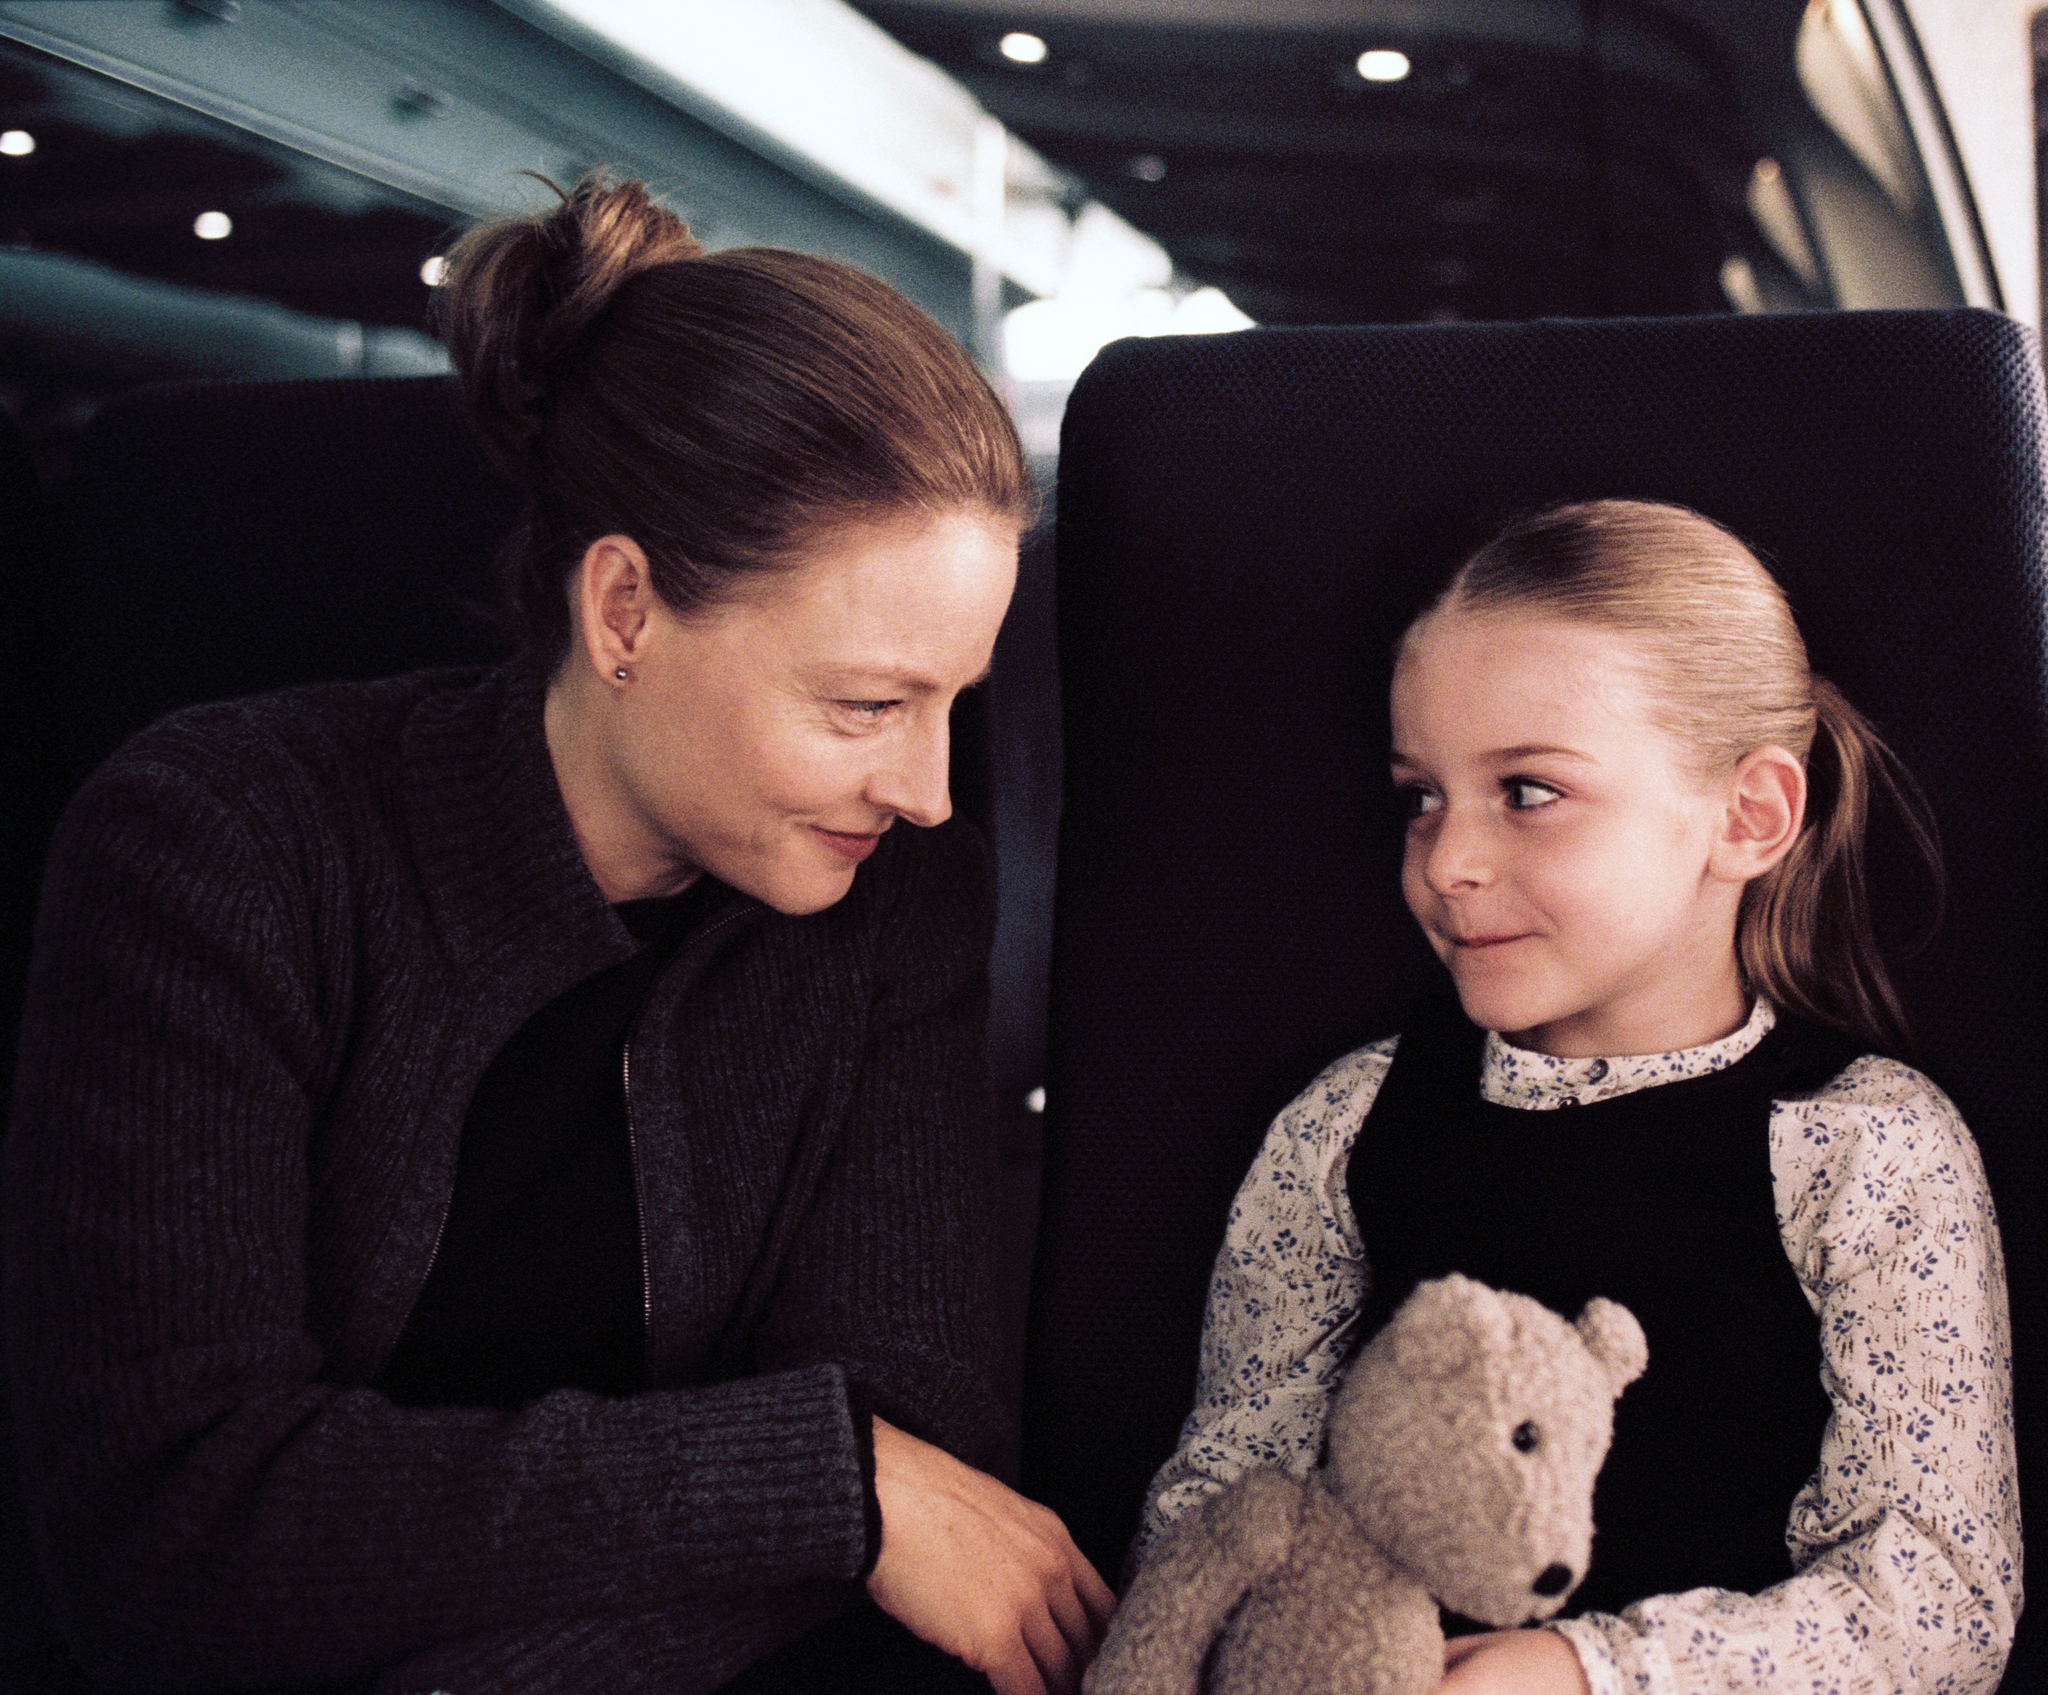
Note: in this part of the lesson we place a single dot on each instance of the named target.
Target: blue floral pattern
(1906, 1541)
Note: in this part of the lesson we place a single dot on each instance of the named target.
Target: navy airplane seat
(30, 784)
(229, 537)
(1246, 523)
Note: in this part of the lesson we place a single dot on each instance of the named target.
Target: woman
(496, 1185)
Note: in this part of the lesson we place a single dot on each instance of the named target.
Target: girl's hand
(1512, 1662)
(976, 1569)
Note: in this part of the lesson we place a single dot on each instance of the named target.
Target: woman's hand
(1512, 1662)
(976, 1569)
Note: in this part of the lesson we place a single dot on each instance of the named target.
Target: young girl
(1635, 839)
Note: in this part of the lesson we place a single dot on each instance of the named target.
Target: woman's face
(770, 740)
(1566, 864)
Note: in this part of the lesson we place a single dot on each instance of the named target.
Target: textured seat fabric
(29, 780)
(1246, 524)
(229, 537)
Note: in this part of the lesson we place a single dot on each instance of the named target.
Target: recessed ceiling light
(1383, 64)
(1023, 48)
(17, 143)
(213, 226)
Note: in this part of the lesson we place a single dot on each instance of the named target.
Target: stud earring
(620, 673)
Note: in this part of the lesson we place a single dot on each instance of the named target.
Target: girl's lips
(855, 848)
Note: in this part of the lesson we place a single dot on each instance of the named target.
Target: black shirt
(537, 1281)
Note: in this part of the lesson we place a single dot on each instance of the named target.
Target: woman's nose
(915, 784)
(1458, 855)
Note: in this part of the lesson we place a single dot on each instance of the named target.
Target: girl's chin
(1498, 999)
(1527, 1020)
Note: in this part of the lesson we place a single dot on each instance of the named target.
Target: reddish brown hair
(1728, 673)
(721, 409)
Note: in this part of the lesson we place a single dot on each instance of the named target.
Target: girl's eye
(1418, 802)
(1525, 794)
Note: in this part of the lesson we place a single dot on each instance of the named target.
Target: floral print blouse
(1906, 1540)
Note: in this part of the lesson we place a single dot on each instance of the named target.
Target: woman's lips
(1488, 941)
(853, 847)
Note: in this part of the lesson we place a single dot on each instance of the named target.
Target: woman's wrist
(863, 1415)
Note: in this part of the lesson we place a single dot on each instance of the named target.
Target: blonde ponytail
(1805, 937)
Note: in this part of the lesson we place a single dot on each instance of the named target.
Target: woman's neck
(628, 860)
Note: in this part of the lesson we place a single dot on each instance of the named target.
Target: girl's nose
(1457, 856)
(914, 784)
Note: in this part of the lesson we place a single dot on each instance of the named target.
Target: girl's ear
(1766, 805)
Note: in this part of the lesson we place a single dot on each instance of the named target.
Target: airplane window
(277, 182)
(146, 241)
(2040, 44)
(1469, 160)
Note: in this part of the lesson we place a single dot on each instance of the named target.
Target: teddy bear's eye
(1525, 1438)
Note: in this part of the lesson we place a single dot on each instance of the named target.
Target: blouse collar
(1537, 1082)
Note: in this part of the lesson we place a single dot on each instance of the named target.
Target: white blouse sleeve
(1906, 1541)
(1289, 1281)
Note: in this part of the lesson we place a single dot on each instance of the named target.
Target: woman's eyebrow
(907, 681)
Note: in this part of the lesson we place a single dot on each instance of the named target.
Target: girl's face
(1567, 865)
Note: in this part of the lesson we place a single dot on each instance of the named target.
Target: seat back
(30, 782)
(229, 537)
(1247, 523)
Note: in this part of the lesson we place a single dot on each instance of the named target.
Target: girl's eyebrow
(1508, 755)
(1534, 750)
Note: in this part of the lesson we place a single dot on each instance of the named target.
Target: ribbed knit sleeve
(211, 1507)
(889, 1276)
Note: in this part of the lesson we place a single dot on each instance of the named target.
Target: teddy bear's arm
(1198, 1572)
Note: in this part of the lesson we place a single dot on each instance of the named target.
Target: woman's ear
(1766, 806)
(614, 600)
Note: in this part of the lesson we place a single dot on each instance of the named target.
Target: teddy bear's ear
(1446, 1324)
(1614, 1338)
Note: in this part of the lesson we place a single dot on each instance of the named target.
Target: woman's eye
(866, 708)
(1525, 794)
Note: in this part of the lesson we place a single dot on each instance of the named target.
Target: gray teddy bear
(1459, 1470)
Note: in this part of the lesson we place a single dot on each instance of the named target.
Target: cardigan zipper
(639, 1206)
(632, 1160)
(633, 1143)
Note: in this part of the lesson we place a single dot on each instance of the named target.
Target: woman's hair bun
(522, 293)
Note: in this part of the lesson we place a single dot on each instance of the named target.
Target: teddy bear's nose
(1553, 1580)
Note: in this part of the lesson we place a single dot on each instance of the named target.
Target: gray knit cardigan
(280, 941)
